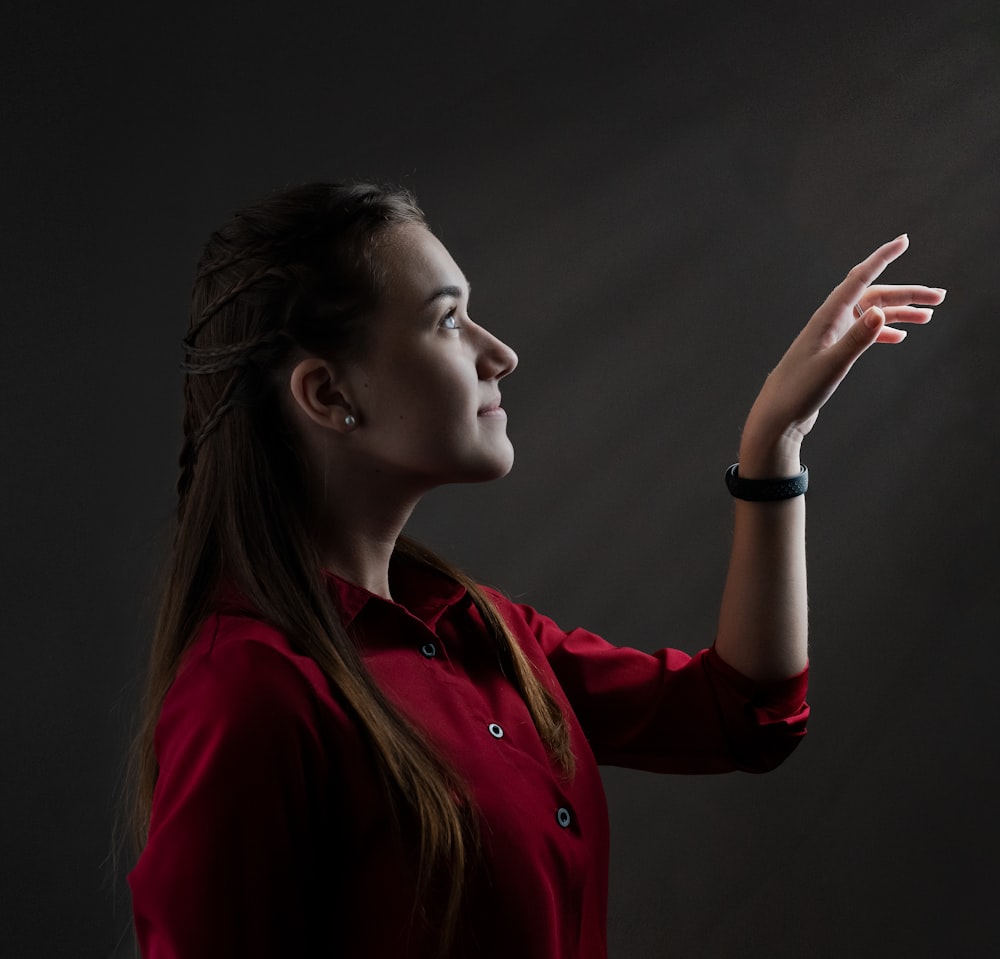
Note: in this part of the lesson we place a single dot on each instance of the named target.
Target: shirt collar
(423, 592)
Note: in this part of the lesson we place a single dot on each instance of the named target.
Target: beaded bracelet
(766, 490)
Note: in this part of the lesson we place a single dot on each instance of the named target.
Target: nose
(496, 358)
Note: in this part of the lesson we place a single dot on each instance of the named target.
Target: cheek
(414, 391)
(440, 386)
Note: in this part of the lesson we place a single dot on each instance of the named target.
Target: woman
(349, 748)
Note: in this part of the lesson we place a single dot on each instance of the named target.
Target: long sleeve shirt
(271, 834)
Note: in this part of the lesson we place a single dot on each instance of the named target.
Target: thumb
(863, 333)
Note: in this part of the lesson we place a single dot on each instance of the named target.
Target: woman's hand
(854, 316)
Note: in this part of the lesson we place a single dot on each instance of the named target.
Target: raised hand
(853, 317)
(763, 621)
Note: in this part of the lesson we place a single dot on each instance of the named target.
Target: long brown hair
(300, 269)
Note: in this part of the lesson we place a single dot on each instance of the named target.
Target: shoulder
(518, 616)
(242, 677)
(527, 624)
(245, 656)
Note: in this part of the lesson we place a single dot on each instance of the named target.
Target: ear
(320, 394)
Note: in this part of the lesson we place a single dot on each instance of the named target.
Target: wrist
(771, 457)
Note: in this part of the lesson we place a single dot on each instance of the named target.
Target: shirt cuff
(774, 699)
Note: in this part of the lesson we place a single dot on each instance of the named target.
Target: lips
(492, 408)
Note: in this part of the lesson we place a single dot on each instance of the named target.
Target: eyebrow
(452, 291)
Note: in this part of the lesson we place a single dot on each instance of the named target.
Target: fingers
(861, 276)
(872, 328)
(865, 331)
(888, 335)
(883, 295)
(907, 314)
(903, 304)
(870, 268)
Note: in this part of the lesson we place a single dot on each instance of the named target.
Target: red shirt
(269, 834)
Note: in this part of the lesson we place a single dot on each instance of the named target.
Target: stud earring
(350, 422)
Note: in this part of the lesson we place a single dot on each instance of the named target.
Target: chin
(506, 463)
(505, 469)
(494, 468)
(488, 475)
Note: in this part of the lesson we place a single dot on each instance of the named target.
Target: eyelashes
(451, 320)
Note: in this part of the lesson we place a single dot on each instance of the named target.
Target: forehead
(415, 264)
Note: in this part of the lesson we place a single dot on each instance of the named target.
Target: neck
(362, 557)
(357, 526)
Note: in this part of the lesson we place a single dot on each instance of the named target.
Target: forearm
(763, 620)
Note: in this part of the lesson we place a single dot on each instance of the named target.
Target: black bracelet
(767, 490)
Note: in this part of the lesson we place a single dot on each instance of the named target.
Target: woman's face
(426, 386)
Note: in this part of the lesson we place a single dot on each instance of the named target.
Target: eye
(450, 321)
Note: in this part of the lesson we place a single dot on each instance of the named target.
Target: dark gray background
(649, 200)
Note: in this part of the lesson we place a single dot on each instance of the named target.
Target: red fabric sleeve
(231, 865)
(668, 711)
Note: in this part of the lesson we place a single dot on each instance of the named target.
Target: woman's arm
(233, 866)
(763, 623)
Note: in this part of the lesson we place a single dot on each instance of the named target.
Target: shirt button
(429, 650)
(563, 817)
(496, 731)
